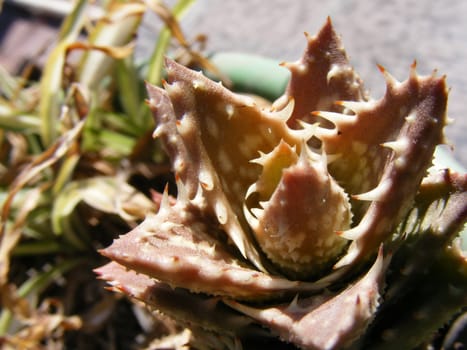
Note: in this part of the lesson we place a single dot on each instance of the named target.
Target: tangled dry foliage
(316, 221)
(78, 167)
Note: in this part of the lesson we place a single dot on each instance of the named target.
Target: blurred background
(390, 33)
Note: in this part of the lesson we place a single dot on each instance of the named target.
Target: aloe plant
(317, 221)
(264, 234)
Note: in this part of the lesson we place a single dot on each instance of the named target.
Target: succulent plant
(317, 221)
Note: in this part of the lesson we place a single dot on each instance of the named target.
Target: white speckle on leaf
(206, 180)
(212, 127)
(224, 161)
(221, 212)
(229, 109)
